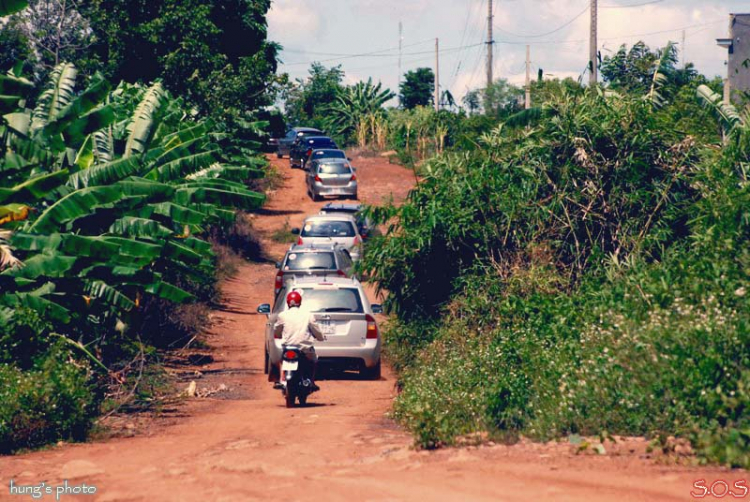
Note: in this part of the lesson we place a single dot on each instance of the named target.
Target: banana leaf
(182, 253)
(180, 214)
(105, 174)
(248, 201)
(43, 306)
(43, 265)
(35, 188)
(59, 92)
(141, 127)
(15, 86)
(102, 291)
(8, 7)
(135, 248)
(85, 156)
(169, 292)
(130, 226)
(179, 168)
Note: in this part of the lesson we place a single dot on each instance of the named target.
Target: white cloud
(293, 22)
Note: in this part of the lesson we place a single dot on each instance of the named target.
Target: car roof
(332, 217)
(333, 280)
(316, 150)
(305, 129)
(313, 248)
(341, 207)
(318, 138)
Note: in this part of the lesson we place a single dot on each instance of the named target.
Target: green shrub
(52, 401)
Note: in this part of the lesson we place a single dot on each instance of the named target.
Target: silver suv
(338, 229)
(345, 316)
(313, 259)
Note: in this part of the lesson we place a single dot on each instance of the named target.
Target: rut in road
(244, 444)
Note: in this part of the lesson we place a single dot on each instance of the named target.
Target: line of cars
(329, 170)
(320, 265)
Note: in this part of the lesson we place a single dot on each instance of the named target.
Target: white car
(343, 313)
(340, 229)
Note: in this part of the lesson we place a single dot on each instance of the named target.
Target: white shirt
(298, 327)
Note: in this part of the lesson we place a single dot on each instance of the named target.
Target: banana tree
(107, 195)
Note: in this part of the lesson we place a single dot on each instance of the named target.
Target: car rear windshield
(332, 300)
(322, 143)
(328, 229)
(329, 154)
(310, 261)
(334, 168)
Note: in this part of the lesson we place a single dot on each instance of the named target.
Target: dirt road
(243, 444)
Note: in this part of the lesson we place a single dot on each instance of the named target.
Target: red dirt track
(244, 445)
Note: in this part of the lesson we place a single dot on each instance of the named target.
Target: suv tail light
(353, 178)
(279, 280)
(299, 241)
(309, 151)
(356, 240)
(317, 178)
(341, 273)
(372, 328)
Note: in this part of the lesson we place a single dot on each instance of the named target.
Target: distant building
(738, 60)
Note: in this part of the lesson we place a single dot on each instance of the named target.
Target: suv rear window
(310, 261)
(328, 229)
(332, 300)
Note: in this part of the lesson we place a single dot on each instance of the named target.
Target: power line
(538, 35)
(630, 5)
(380, 54)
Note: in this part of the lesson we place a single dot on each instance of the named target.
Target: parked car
(284, 144)
(313, 259)
(326, 153)
(331, 177)
(364, 224)
(341, 309)
(304, 147)
(331, 228)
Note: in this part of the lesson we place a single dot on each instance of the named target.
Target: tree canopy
(417, 88)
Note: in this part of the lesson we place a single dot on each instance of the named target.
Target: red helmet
(293, 299)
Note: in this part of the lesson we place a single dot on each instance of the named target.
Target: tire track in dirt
(245, 445)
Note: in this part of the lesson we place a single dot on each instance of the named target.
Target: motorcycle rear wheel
(289, 399)
(302, 400)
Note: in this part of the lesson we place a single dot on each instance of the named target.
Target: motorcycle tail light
(290, 354)
(372, 328)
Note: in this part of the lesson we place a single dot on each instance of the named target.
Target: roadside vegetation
(120, 206)
(598, 270)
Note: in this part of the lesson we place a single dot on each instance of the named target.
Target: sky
(362, 35)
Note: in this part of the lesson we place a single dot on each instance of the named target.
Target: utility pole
(528, 78)
(437, 75)
(400, 42)
(682, 51)
(593, 44)
(490, 43)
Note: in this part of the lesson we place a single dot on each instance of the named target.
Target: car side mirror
(264, 309)
(377, 309)
(295, 231)
(349, 159)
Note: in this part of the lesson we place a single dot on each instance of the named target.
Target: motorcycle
(296, 371)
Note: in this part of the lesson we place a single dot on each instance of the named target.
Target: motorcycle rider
(297, 327)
